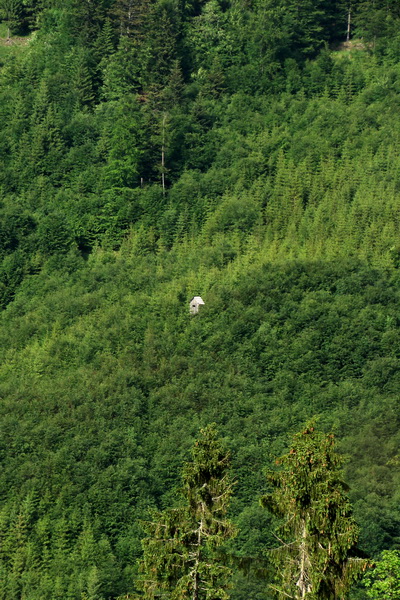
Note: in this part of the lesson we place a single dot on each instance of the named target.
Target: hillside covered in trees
(247, 151)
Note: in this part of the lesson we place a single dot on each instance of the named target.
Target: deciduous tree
(383, 582)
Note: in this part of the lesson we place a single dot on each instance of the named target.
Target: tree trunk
(195, 594)
(302, 581)
(348, 24)
(163, 155)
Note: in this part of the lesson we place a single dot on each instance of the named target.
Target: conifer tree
(10, 11)
(161, 43)
(180, 551)
(129, 17)
(316, 558)
(104, 45)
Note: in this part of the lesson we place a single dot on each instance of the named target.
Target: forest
(244, 151)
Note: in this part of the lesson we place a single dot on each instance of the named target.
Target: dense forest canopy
(152, 150)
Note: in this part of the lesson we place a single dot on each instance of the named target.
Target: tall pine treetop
(179, 558)
(318, 534)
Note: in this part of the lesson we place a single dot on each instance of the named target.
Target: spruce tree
(181, 558)
(10, 11)
(129, 17)
(316, 558)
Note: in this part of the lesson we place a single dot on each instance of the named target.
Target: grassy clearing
(347, 49)
(13, 45)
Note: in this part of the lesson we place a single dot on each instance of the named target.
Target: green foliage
(180, 558)
(10, 12)
(383, 582)
(106, 353)
(280, 161)
(318, 531)
(122, 140)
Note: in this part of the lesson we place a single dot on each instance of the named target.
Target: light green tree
(383, 582)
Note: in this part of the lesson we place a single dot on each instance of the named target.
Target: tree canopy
(247, 152)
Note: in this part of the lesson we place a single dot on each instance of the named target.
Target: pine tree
(86, 19)
(104, 44)
(10, 11)
(316, 558)
(172, 93)
(82, 80)
(161, 43)
(123, 138)
(180, 553)
(129, 17)
(377, 20)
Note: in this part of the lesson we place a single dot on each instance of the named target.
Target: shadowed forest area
(152, 151)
